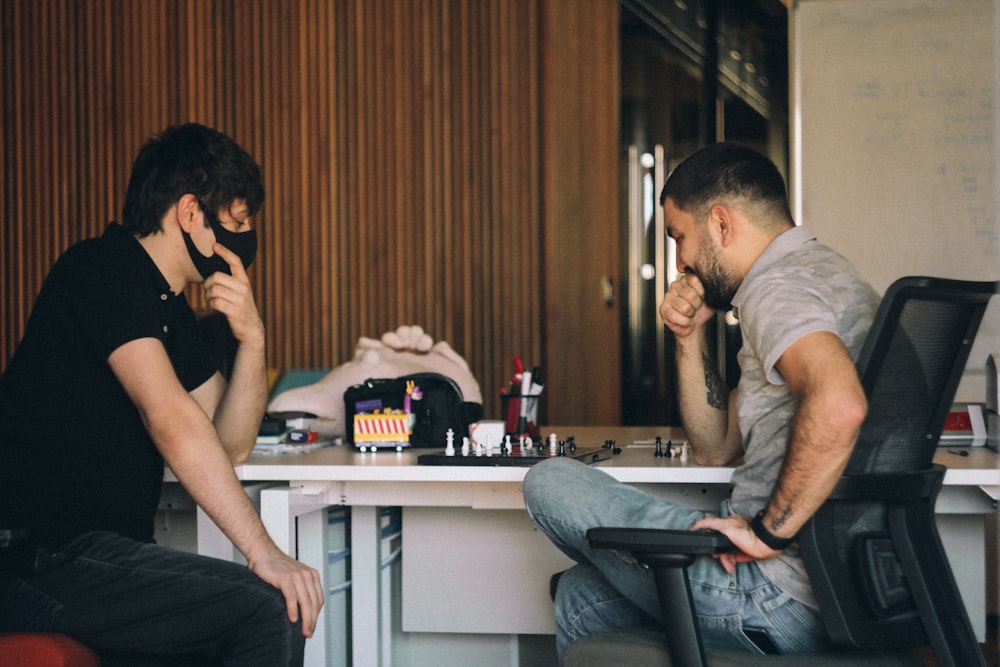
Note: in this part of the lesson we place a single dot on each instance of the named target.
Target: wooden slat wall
(400, 140)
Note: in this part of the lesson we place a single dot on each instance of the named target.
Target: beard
(719, 283)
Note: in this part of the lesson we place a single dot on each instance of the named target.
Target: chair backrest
(910, 367)
(872, 547)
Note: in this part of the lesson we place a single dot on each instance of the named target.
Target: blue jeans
(608, 591)
(143, 604)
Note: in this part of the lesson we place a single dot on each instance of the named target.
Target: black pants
(141, 604)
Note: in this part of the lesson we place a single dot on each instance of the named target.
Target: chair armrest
(668, 553)
(657, 540)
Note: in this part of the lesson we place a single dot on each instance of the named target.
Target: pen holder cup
(520, 414)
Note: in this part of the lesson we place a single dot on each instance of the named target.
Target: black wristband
(765, 536)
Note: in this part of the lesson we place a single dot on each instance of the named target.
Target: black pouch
(441, 406)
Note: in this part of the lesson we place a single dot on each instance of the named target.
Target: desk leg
(311, 530)
(365, 585)
(278, 518)
(279, 511)
(964, 540)
(211, 541)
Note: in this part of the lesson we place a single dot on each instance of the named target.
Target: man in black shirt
(108, 383)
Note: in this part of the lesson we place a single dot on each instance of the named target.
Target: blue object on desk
(298, 377)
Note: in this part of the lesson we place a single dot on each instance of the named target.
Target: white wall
(894, 118)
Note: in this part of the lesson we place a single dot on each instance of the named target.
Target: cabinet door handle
(608, 291)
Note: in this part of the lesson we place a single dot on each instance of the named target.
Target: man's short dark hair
(189, 159)
(725, 171)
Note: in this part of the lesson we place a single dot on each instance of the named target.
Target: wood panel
(401, 141)
(581, 228)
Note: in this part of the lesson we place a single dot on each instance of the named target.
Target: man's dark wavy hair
(725, 171)
(189, 159)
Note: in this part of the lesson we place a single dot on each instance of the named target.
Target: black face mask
(244, 244)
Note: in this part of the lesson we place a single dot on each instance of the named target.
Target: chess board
(516, 456)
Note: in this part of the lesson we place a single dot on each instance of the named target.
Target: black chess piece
(659, 447)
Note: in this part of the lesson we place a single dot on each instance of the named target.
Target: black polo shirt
(74, 454)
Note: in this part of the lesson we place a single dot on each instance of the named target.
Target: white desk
(473, 563)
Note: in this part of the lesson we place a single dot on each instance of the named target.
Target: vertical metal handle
(636, 233)
(660, 263)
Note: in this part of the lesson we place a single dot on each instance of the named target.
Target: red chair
(43, 649)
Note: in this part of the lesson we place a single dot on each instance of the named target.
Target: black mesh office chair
(874, 557)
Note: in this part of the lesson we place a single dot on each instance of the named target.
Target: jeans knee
(530, 488)
(272, 610)
(541, 485)
(267, 635)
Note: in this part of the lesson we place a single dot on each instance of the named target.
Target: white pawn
(449, 449)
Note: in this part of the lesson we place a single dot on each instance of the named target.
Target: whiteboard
(895, 113)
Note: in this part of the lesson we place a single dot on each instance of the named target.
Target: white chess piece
(449, 449)
(465, 446)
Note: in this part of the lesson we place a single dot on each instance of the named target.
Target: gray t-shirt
(796, 287)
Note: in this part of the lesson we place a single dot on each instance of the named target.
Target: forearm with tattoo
(780, 521)
(716, 395)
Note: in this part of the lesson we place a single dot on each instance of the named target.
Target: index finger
(314, 594)
(231, 258)
(305, 600)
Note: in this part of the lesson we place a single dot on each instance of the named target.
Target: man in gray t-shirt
(804, 314)
(796, 288)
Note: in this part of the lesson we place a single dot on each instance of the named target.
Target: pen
(537, 383)
(513, 411)
(522, 422)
